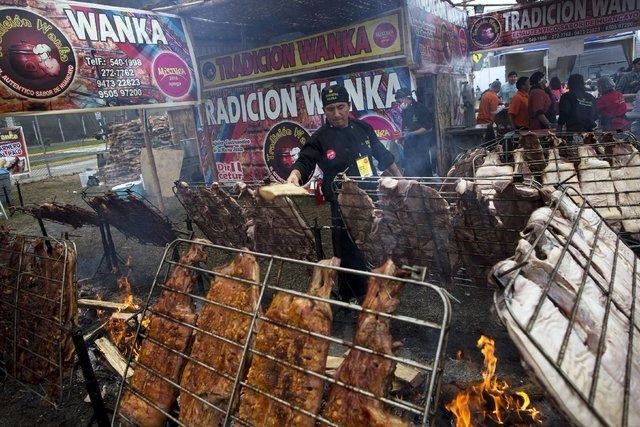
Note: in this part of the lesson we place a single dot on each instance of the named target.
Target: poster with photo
(14, 156)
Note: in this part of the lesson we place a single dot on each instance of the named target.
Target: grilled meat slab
(220, 355)
(367, 371)
(164, 328)
(293, 386)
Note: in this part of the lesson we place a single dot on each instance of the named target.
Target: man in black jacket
(577, 107)
(342, 144)
(417, 126)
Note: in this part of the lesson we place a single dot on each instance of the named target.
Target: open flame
(491, 401)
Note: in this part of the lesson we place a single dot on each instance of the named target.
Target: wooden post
(152, 160)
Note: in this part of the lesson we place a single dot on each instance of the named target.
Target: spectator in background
(630, 82)
(556, 88)
(577, 107)
(519, 106)
(508, 90)
(635, 116)
(489, 107)
(542, 113)
(612, 108)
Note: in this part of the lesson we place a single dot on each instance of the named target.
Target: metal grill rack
(603, 166)
(457, 232)
(38, 308)
(421, 323)
(238, 217)
(569, 303)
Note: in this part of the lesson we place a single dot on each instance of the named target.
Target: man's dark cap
(635, 61)
(333, 94)
(402, 93)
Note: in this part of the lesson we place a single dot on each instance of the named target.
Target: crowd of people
(537, 103)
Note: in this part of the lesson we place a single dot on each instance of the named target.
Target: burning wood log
(113, 356)
(109, 305)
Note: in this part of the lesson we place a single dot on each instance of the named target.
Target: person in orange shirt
(490, 105)
(519, 106)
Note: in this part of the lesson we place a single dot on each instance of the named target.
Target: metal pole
(44, 147)
(152, 160)
(61, 131)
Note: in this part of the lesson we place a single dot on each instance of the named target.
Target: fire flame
(491, 400)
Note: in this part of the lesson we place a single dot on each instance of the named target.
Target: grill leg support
(99, 410)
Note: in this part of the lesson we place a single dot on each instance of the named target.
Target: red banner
(551, 20)
(13, 151)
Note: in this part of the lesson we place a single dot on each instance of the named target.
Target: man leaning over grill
(348, 145)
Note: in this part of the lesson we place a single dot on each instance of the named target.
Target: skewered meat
(216, 385)
(520, 166)
(465, 167)
(64, 214)
(513, 206)
(481, 238)
(45, 275)
(491, 175)
(559, 171)
(533, 153)
(626, 181)
(361, 219)
(164, 330)
(366, 371)
(580, 275)
(276, 226)
(596, 184)
(134, 218)
(295, 387)
(216, 213)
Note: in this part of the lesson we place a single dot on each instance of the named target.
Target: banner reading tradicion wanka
(61, 55)
(256, 131)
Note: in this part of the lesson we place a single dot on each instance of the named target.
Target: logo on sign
(172, 74)
(331, 154)
(485, 32)
(385, 35)
(36, 58)
(462, 39)
(282, 148)
(209, 71)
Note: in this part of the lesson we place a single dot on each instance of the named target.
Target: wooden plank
(270, 192)
(402, 372)
(113, 356)
(126, 316)
(101, 305)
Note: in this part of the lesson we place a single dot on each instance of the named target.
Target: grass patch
(66, 146)
(70, 159)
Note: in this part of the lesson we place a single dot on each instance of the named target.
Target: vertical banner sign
(439, 38)
(13, 151)
(61, 55)
(380, 38)
(256, 131)
(551, 20)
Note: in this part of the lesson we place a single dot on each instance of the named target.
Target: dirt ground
(472, 316)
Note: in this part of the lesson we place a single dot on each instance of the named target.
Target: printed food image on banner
(63, 55)
(282, 148)
(252, 132)
(438, 37)
(13, 151)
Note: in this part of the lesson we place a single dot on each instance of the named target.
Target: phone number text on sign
(11, 149)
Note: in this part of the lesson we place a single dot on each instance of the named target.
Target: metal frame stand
(113, 260)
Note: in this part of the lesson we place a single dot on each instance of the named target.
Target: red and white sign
(551, 20)
(13, 151)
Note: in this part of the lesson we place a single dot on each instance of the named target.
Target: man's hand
(294, 177)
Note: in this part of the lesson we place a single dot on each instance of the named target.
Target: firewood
(113, 356)
(403, 372)
(127, 316)
(101, 305)
(270, 192)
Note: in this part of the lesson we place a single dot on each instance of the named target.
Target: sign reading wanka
(360, 42)
(551, 20)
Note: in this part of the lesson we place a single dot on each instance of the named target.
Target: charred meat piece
(64, 214)
(164, 330)
(464, 167)
(293, 386)
(134, 218)
(533, 153)
(276, 226)
(216, 385)
(216, 213)
(366, 371)
(479, 235)
(513, 207)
